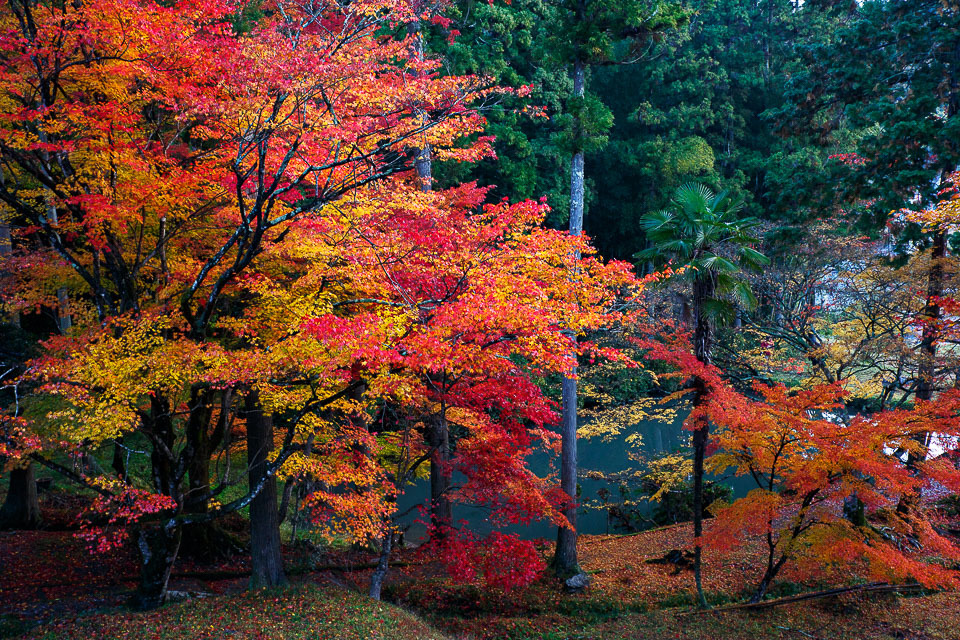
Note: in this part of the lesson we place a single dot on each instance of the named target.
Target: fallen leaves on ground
(304, 611)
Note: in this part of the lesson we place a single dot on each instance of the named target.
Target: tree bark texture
(380, 573)
(158, 547)
(6, 248)
(704, 289)
(441, 478)
(423, 157)
(265, 552)
(931, 312)
(21, 509)
(565, 560)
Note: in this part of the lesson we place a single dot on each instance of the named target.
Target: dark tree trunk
(284, 509)
(704, 289)
(762, 588)
(774, 567)
(162, 464)
(686, 313)
(6, 247)
(931, 312)
(770, 571)
(565, 561)
(205, 539)
(21, 509)
(926, 370)
(854, 510)
(700, 437)
(383, 564)
(199, 442)
(199, 482)
(302, 487)
(441, 479)
(158, 547)
(119, 459)
(265, 553)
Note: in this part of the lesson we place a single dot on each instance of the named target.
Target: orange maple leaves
(233, 202)
(814, 467)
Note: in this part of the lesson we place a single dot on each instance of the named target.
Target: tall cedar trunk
(265, 555)
(704, 289)
(380, 573)
(423, 158)
(21, 509)
(158, 547)
(565, 558)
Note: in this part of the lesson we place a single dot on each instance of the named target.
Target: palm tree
(689, 233)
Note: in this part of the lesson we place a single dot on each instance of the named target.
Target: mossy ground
(303, 611)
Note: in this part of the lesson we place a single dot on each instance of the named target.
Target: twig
(873, 587)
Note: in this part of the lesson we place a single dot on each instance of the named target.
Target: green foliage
(584, 125)
(534, 42)
(714, 599)
(690, 156)
(711, 82)
(674, 505)
(677, 505)
(12, 626)
(601, 32)
(883, 85)
(499, 40)
(598, 609)
(693, 233)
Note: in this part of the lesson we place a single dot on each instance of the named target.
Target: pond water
(595, 454)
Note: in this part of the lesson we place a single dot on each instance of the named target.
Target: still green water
(595, 454)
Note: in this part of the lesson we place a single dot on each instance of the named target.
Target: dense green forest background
(758, 97)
